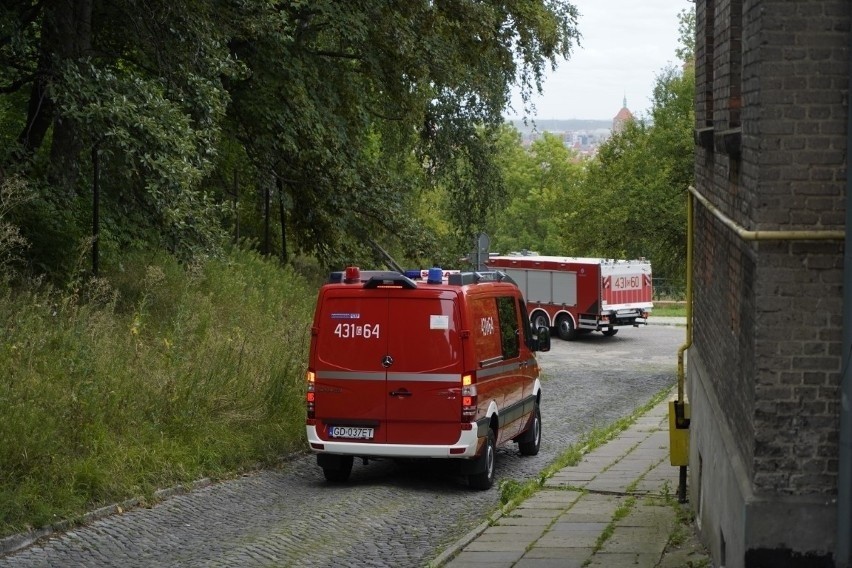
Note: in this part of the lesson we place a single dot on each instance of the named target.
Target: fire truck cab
(429, 364)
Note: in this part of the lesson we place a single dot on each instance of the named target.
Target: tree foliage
(214, 118)
(543, 184)
(629, 201)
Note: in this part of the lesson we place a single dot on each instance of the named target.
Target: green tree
(132, 89)
(543, 183)
(641, 175)
(320, 107)
(634, 202)
(369, 85)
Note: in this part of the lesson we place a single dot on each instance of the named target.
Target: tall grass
(156, 374)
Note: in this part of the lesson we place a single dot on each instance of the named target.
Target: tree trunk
(236, 207)
(96, 204)
(282, 217)
(66, 37)
(266, 219)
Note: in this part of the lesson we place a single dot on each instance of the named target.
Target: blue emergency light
(436, 276)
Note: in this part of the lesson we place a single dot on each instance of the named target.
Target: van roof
(414, 278)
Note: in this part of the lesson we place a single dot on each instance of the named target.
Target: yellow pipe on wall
(681, 375)
(745, 235)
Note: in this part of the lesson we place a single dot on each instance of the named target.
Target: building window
(709, 31)
(735, 58)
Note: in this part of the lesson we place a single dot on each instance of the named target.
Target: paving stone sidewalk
(616, 508)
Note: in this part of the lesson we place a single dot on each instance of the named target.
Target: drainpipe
(679, 408)
(842, 556)
(844, 473)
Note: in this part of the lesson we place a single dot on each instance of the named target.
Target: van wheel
(337, 470)
(565, 328)
(485, 479)
(531, 443)
(610, 332)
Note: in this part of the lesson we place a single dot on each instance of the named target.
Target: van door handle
(400, 392)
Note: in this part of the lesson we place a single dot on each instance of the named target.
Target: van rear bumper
(465, 447)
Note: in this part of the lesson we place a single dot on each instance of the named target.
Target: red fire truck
(581, 295)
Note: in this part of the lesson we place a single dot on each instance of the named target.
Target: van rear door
(351, 345)
(424, 375)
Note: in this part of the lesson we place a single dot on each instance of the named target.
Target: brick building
(769, 474)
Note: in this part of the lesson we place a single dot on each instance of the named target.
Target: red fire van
(435, 367)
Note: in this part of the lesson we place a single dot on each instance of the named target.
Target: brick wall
(767, 313)
(724, 266)
(799, 146)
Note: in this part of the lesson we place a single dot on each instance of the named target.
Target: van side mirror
(541, 339)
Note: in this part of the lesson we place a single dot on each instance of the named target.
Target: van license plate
(350, 432)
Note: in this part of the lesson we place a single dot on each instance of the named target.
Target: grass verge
(669, 311)
(155, 375)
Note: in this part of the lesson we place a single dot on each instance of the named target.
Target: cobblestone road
(387, 515)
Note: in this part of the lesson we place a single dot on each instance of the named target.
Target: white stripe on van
(365, 376)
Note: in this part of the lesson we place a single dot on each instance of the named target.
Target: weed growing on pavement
(517, 492)
(155, 375)
(684, 529)
(622, 511)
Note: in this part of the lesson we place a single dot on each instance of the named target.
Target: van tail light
(469, 398)
(310, 394)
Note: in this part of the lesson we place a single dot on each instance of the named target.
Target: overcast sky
(624, 46)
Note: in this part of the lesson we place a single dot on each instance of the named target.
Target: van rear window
(423, 334)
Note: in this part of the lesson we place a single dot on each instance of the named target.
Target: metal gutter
(680, 407)
(681, 375)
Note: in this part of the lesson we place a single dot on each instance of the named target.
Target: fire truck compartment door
(565, 288)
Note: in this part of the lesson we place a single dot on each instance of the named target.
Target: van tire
(530, 443)
(338, 470)
(565, 328)
(485, 478)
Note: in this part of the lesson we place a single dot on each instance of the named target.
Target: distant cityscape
(584, 136)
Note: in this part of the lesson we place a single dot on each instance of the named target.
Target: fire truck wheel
(565, 328)
(529, 446)
(539, 320)
(610, 332)
(485, 479)
(338, 470)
